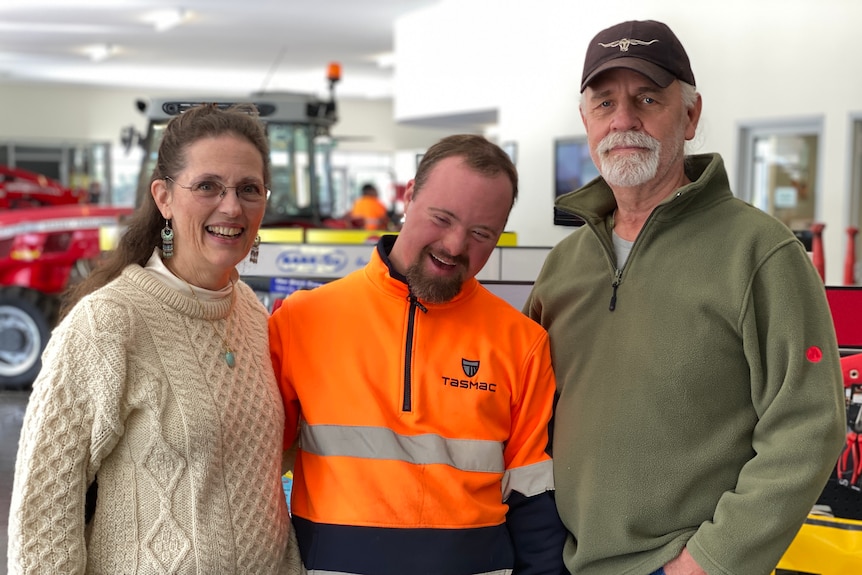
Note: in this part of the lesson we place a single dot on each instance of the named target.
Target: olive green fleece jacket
(706, 410)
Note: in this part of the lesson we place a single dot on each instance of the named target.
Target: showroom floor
(12, 406)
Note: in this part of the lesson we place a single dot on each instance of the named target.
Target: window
(82, 165)
(779, 171)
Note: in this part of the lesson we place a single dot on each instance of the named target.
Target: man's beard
(434, 289)
(631, 169)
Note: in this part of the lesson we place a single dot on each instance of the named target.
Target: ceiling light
(385, 60)
(167, 19)
(100, 52)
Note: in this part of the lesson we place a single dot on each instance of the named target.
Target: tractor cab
(301, 146)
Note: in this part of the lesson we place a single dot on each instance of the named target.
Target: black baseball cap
(645, 46)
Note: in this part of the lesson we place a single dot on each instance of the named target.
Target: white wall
(754, 61)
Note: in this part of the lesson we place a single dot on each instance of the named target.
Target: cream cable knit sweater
(187, 451)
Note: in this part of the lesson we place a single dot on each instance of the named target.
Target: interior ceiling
(222, 46)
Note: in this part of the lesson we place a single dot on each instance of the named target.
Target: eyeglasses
(250, 193)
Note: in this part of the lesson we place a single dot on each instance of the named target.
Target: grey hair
(689, 94)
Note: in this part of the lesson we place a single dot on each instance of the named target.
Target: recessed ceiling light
(166, 19)
(99, 52)
(385, 60)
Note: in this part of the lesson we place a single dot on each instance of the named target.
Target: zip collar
(382, 273)
(594, 202)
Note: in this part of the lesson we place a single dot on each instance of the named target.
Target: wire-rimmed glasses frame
(250, 192)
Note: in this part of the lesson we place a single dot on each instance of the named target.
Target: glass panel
(90, 171)
(301, 163)
(47, 168)
(292, 199)
(284, 201)
(300, 189)
(126, 166)
(82, 166)
(784, 176)
(323, 175)
(355, 169)
(39, 152)
(151, 154)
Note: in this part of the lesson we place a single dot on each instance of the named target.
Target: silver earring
(167, 240)
(255, 250)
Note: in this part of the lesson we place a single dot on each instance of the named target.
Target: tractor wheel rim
(14, 321)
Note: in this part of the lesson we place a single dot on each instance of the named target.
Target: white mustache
(627, 139)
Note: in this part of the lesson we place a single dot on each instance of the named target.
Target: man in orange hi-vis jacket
(420, 399)
(369, 210)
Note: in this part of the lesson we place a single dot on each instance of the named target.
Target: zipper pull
(618, 278)
(414, 301)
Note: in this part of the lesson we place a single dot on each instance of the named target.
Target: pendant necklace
(228, 355)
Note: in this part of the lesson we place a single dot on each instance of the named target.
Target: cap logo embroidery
(624, 43)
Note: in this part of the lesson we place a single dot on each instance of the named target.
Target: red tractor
(24, 189)
(48, 238)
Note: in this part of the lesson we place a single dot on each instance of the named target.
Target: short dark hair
(368, 190)
(477, 152)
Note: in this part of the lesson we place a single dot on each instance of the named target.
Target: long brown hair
(143, 232)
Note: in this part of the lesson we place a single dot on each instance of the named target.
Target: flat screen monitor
(573, 168)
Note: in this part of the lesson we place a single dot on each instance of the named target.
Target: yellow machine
(824, 546)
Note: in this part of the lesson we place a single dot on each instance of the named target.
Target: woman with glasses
(152, 441)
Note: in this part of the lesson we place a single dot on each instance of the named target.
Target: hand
(684, 564)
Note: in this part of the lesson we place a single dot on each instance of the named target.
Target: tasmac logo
(470, 367)
(318, 263)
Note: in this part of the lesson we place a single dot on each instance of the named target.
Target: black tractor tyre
(26, 320)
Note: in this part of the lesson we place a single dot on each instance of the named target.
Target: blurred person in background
(368, 212)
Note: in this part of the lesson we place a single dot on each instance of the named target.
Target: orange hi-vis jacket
(371, 211)
(423, 429)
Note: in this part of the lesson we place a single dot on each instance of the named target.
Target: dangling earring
(254, 250)
(167, 240)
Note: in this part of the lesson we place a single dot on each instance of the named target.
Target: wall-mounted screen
(573, 168)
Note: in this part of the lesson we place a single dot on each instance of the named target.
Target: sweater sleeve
(534, 525)
(797, 393)
(72, 420)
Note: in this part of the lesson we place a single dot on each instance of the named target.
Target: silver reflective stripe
(319, 572)
(529, 480)
(382, 443)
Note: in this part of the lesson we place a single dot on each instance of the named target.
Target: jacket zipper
(618, 272)
(618, 278)
(407, 400)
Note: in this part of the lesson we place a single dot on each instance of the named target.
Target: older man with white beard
(700, 406)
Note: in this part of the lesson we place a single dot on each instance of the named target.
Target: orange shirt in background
(371, 211)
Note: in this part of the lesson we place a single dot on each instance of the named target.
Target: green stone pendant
(229, 359)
